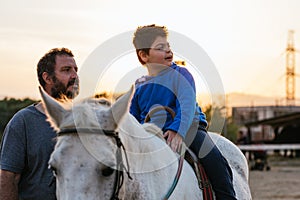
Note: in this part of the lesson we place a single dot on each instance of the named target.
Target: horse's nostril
(107, 171)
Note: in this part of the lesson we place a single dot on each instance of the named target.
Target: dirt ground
(281, 182)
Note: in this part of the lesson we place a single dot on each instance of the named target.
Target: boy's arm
(186, 102)
(9, 185)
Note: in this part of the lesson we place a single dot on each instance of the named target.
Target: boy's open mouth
(169, 58)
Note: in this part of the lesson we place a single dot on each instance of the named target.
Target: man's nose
(74, 74)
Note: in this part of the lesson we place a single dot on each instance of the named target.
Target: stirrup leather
(203, 181)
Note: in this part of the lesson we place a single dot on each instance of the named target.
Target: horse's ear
(121, 106)
(54, 109)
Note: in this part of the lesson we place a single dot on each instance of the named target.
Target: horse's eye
(107, 171)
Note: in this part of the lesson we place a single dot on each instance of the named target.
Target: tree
(8, 107)
(232, 129)
(220, 123)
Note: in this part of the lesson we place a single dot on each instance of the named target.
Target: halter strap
(119, 178)
(87, 130)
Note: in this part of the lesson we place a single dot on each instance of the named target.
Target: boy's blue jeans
(215, 165)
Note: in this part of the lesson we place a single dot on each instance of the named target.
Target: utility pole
(290, 70)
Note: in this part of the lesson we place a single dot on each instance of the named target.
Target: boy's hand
(174, 140)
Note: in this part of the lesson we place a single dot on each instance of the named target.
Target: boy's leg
(215, 165)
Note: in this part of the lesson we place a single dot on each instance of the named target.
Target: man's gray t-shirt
(27, 143)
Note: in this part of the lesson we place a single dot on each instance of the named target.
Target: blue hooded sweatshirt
(173, 87)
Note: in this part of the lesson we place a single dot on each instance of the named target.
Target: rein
(180, 159)
(119, 178)
(179, 170)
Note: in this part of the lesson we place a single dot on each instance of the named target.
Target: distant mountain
(241, 99)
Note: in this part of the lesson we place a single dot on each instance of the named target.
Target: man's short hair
(47, 63)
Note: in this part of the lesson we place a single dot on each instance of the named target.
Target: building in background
(265, 124)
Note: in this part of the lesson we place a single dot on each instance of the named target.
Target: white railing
(264, 147)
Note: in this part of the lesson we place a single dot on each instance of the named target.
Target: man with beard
(28, 139)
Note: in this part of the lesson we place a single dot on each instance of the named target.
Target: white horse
(88, 159)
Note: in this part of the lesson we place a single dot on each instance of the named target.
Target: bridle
(119, 178)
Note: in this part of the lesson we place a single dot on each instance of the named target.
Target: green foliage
(216, 118)
(208, 112)
(232, 130)
(8, 107)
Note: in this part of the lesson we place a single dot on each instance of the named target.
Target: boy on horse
(172, 86)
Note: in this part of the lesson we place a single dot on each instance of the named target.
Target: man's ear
(143, 55)
(47, 78)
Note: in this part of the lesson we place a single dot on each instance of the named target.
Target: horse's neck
(149, 159)
(146, 152)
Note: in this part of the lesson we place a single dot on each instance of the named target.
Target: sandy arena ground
(282, 182)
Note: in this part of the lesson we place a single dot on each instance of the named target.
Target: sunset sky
(245, 39)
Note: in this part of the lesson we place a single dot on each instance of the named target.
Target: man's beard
(59, 90)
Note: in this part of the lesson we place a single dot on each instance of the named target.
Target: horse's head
(84, 159)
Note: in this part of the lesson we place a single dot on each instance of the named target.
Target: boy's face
(160, 52)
